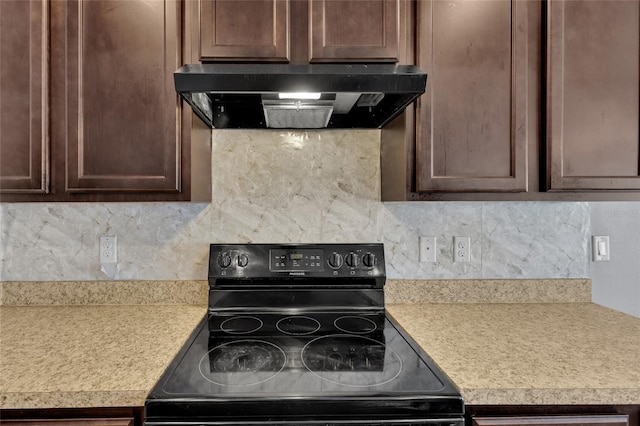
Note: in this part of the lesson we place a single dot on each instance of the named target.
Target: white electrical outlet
(462, 249)
(427, 249)
(108, 249)
(600, 248)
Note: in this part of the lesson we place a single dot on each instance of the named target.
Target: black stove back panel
(295, 264)
(292, 276)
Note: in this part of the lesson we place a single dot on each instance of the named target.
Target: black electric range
(297, 334)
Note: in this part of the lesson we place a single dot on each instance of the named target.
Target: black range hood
(339, 96)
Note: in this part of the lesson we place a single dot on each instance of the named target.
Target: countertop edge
(413, 291)
(82, 399)
(555, 396)
(408, 291)
(61, 293)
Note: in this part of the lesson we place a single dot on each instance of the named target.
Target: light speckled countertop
(88, 356)
(565, 353)
(522, 349)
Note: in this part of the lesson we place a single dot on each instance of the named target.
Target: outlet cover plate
(108, 249)
(428, 249)
(462, 249)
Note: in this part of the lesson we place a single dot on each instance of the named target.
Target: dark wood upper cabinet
(24, 112)
(113, 65)
(593, 125)
(248, 30)
(472, 121)
(303, 31)
(525, 100)
(355, 30)
(89, 110)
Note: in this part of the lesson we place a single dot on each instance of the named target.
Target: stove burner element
(353, 361)
(242, 363)
(298, 325)
(241, 325)
(354, 324)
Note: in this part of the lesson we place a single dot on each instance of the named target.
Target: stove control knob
(352, 260)
(225, 260)
(335, 260)
(369, 260)
(243, 260)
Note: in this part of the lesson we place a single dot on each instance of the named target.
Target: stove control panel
(296, 260)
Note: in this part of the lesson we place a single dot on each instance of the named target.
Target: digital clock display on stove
(296, 260)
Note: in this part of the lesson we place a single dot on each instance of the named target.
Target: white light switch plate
(600, 248)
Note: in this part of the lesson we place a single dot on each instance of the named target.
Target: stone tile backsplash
(281, 186)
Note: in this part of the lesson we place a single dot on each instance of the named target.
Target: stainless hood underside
(256, 96)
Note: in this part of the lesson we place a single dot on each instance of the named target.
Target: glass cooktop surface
(298, 355)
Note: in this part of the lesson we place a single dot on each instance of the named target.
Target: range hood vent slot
(370, 99)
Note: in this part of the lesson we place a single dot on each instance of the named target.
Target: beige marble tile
(488, 291)
(293, 186)
(25, 293)
(88, 356)
(563, 353)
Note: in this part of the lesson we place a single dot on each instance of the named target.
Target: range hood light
(299, 95)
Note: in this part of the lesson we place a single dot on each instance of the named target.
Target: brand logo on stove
(302, 274)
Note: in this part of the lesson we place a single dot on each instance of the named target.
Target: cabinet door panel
(122, 112)
(593, 75)
(253, 30)
(71, 422)
(355, 30)
(24, 123)
(586, 420)
(472, 132)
